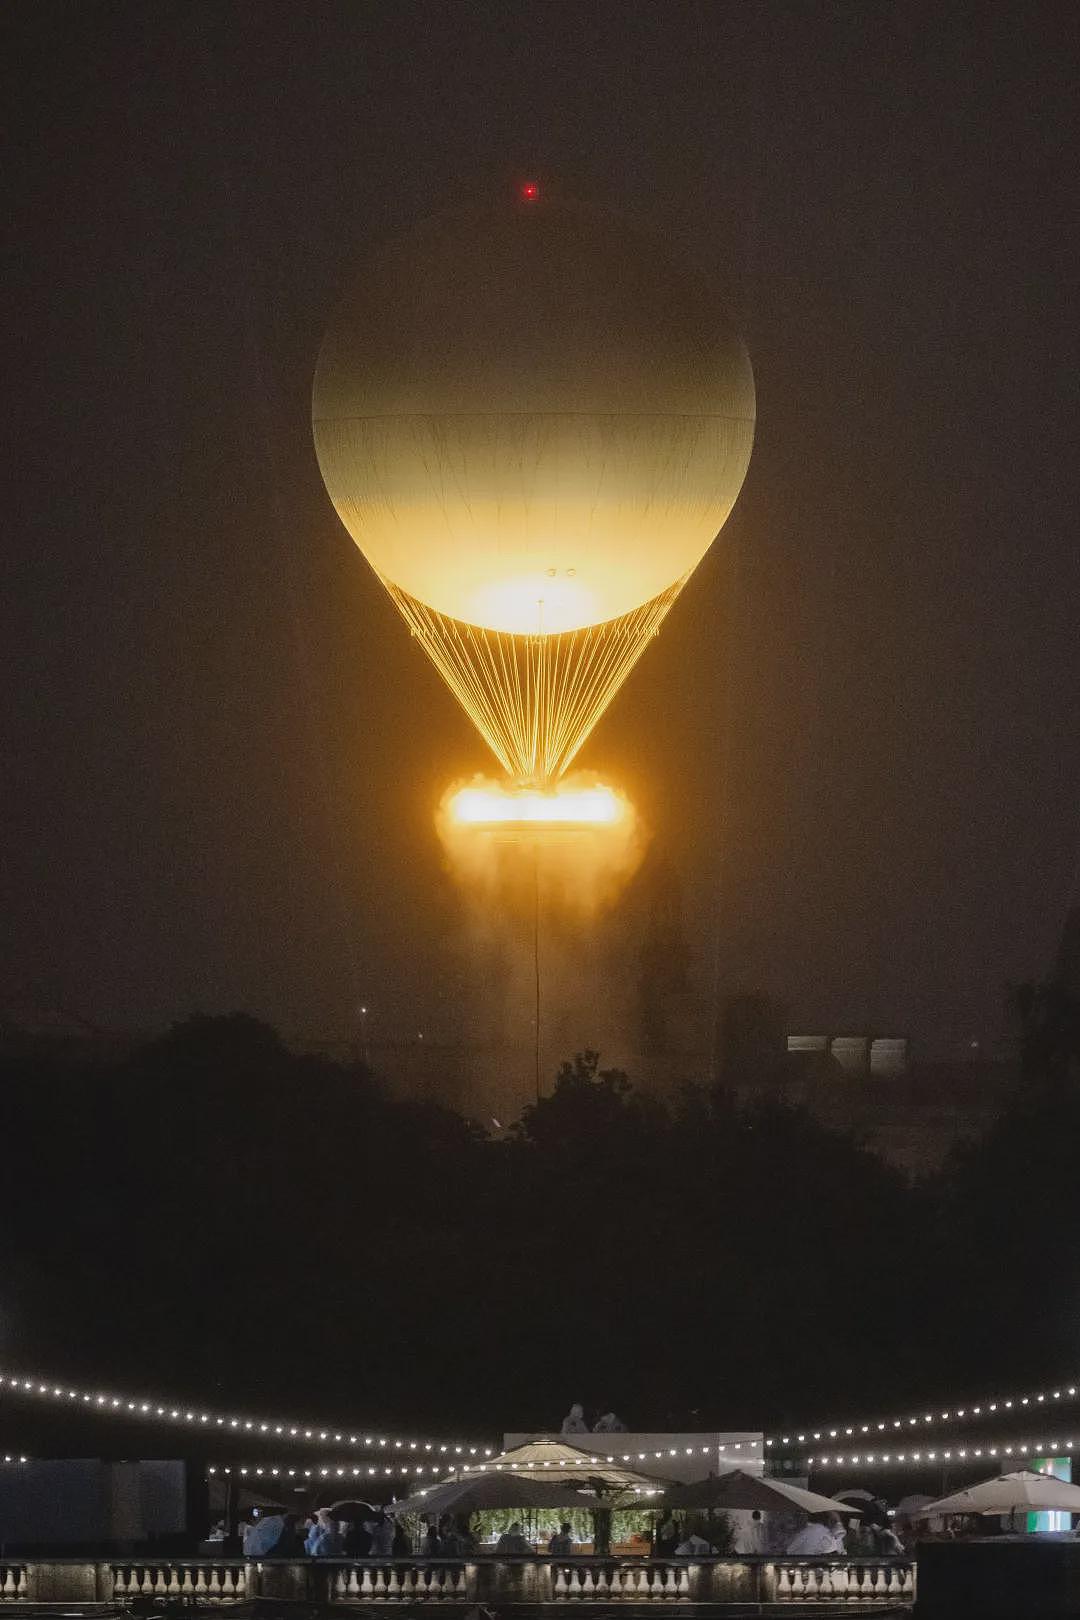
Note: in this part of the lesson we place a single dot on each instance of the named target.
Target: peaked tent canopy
(554, 1457)
(477, 1493)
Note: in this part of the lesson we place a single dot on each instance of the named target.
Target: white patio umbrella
(737, 1489)
(1022, 1492)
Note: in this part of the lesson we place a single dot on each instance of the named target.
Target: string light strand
(923, 1420)
(180, 1413)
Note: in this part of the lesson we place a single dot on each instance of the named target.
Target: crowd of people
(825, 1535)
(322, 1534)
(575, 1422)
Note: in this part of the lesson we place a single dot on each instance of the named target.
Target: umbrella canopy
(477, 1492)
(911, 1507)
(348, 1508)
(736, 1489)
(1022, 1492)
(587, 1468)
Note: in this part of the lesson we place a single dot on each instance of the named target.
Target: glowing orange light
(527, 807)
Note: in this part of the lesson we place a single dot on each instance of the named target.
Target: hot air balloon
(533, 421)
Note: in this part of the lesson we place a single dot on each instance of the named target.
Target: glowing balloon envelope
(533, 422)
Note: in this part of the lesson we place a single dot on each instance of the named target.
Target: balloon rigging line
(534, 698)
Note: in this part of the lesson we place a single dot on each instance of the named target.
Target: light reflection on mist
(576, 847)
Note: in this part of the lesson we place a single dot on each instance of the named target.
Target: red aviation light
(529, 191)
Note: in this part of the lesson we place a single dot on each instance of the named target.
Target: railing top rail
(412, 1560)
(637, 1560)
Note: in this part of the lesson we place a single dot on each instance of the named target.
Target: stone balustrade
(218, 1583)
(12, 1582)
(488, 1580)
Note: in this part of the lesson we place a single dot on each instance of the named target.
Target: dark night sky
(856, 741)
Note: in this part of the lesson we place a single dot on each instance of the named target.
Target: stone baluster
(561, 1588)
(603, 1583)
(783, 1584)
(200, 1582)
(214, 1583)
(228, 1586)
(671, 1585)
(367, 1590)
(339, 1586)
(907, 1582)
(380, 1582)
(684, 1583)
(615, 1583)
(242, 1583)
(825, 1584)
(393, 1584)
(20, 1588)
(881, 1585)
(118, 1584)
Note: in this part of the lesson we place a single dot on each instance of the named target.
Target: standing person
(262, 1535)
(561, 1544)
(453, 1542)
(859, 1541)
(432, 1545)
(382, 1536)
(358, 1538)
(888, 1542)
(323, 1539)
(667, 1537)
(610, 1423)
(574, 1421)
(465, 1531)
(750, 1538)
(290, 1543)
(814, 1540)
(694, 1545)
(400, 1546)
(513, 1540)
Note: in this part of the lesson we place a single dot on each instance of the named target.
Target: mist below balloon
(571, 850)
(540, 912)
